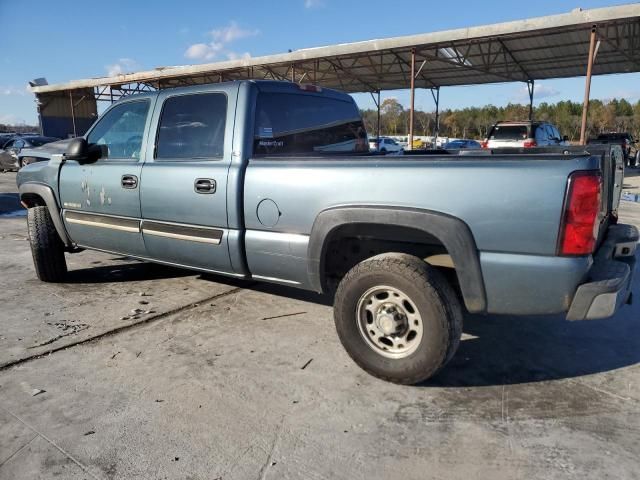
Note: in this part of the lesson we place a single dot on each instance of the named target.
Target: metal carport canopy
(555, 46)
(539, 48)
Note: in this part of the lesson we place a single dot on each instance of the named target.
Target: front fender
(30, 189)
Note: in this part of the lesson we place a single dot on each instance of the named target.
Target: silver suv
(524, 134)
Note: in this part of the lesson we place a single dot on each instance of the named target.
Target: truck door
(101, 201)
(184, 180)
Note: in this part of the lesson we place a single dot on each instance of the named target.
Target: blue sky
(63, 40)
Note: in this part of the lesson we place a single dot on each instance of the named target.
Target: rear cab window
(509, 132)
(307, 124)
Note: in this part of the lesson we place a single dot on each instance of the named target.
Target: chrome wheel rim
(389, 322)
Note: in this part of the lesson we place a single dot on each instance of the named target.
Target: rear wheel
(398, 318)
(47, 248)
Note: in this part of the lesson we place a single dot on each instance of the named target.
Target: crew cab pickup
(273, 181)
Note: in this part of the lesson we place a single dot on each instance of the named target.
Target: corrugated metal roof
(538, 48)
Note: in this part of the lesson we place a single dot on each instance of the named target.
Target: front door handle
(204, 185)
(129, 181)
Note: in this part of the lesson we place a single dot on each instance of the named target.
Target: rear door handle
(129, 181)
(204, 185)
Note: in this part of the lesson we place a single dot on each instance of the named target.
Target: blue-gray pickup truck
(273, 181)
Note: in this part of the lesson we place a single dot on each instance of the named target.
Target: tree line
(474, 122)
(18, 128)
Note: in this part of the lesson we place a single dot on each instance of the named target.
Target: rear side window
(307, 124)
(541, 134)
(192, 126)
(509, 132)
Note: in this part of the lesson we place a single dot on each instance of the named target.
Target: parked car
(384, 145)
(462, 144)
(624, 139)
(523, 134)
(44, 152)
(5, 137)
(12, 154)
(227, 178)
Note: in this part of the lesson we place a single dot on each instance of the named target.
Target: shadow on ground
(510, 350)
(502, 350)
(131, 271)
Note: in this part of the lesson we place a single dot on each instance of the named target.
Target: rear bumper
(608, 285)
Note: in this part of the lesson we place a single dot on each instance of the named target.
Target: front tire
(398, 318)
(47, 248)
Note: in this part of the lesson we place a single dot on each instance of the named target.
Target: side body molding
(454, 234)
(46, 193)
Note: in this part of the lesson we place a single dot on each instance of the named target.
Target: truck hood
(47, 150)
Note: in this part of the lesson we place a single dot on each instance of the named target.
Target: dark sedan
(461, 144)
(11, 154)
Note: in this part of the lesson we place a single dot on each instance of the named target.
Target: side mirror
(81, 151)
(565, 138)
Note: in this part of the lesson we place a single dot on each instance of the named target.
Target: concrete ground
(218, 379)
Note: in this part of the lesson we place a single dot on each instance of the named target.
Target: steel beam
(73, 113)
(531, 84)
(413, 94)
(587, 87)
(436, 126)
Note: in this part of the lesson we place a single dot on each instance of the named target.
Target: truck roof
(280, 86)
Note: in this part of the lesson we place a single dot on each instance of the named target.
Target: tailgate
(611, 161)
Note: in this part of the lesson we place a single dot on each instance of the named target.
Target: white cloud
(541, 90)
(11, 90)
(313, 3)
(238, 56)
(123, 65)
(221, 38)
(11, 119)
(203, 51)
(231, 33)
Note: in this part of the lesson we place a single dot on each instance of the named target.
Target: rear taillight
(484, 144)
(578, 231)
(530, 144)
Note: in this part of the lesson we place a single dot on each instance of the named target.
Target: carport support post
(378, 121)
(531, 84)
(377, 102)
(73, 113)
(436, 127)
(413, 95)
(587, 88)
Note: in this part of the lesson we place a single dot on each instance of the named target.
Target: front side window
(121, 130)
(307, 124)
(192, 126)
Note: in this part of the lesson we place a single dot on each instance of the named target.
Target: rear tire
(398, 318)
(47, 248)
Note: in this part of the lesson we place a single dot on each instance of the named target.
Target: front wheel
(47, 248)
(398, 318)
